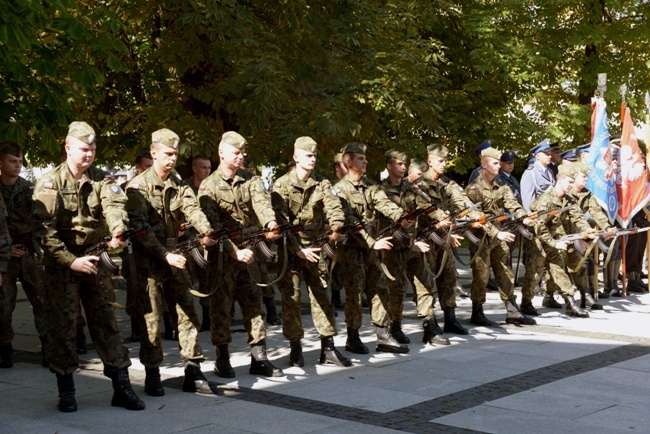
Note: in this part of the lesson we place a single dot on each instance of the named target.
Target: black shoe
(195, 381)
(272, 317)
(222, 365)
(452, 325)
(634, 287)
(387, 344)
(152, 384)
(432, 332)
(527, 308)
(353, 343)
(397, 333)
(603, 295)
(260, 364)
(572, 309)
(123, 393)
(478, 317)
(295, 356)
(6, 356)
(460, 291)
(329, 355)
(67, 401)
(81, 341)
(514, 315)
(550, 302)
(336, 299)
(587, 301)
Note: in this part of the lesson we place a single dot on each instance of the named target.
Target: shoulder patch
(472, 188)
(31, 187)
(336, 192)
(48, 185)
(134, 186)
(277, 185)
(202, 187)
(327, 181)
(255, 178)
(116, 189)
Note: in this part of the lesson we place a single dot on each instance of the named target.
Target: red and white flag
(632, 185)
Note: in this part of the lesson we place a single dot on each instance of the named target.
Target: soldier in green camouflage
(232, 197)
(493, 252)
(360, 265)
(25, 262)
(550, 228)
(406, 254)
(159, 200)
(304, 197)
(76, 203)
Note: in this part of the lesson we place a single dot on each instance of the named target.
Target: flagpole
(647, 150)
(623, 89)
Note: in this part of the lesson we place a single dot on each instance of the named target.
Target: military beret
(143, 153)
(567, 169)
(306, 144)
(233, 139)
(570, 155)
(438, 150)
(338, 158)
(354, 148)
(10, 148)
(419, 164)
(584, 148)
(165, 137)
(492, 153)
(555, 147)
(581, 168)
(543, 146)
(82, 131)
(482, 146)
(398, 155)
(508, 156)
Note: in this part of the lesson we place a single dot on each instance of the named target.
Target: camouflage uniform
(166, 204)
(27, 268)
(75, 215)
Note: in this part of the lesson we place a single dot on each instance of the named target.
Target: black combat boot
(514, 315)
(67, 402)
(478, 317)
(353, 343)
(271, 313)
(135, 329)
(330, 355)
(432, 332)
(527, 307)
(295, 356)
(452, 325)
(336, 299)
(260, 364)
(195, 381)
(205, 323)
(397, 333)
(550, 302)
(587, 301)
(6, 356)
(44, 361)
(81, 341)
(152, 384)
(123, 393)
(387, 344)
(222, 366)
(572, 309)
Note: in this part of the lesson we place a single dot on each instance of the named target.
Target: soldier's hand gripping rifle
(456, 223)
(510, 224)
(258, 236)
(325, 242)
(101, 249)
(193, 246)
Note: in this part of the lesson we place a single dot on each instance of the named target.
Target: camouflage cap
(567, 169)
(82, 131)
(581, 168)
(165, 137)
(398, 155)
(338, 158)
(233, 139)
(421, 165)
(491, 152)
(10, 148)
(354, 148)
(306, 144)
(438, 150)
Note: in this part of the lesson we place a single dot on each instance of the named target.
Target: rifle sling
(219, 272)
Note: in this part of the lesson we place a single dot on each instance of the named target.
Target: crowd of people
(366, 240)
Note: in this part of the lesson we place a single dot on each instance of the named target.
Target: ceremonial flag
(632, 188)
(601, 180)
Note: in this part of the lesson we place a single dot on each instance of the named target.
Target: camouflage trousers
(63, 291)
(235, 283)
(579, 277)
(535, 261)
(360, 273)
(494, 254)
(164, 283)
(260, 274)
(29, 271)
(445, 282)
(556, 264)
(322, 311)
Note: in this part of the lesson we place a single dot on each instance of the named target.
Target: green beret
(82, 131)
(10, 148)
(419, 164)
(354, 148)
(567, 169)
(398, 155)
(338, 158)
(581, 168)
(492, 153)
(305, 143)
(165, 137)
(233, 139)
(438, 150)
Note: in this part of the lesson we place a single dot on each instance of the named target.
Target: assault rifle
(324, 241)
(193, 246)
(101, 249)
(257, 237)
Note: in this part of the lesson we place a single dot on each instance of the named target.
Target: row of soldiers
(379, 235)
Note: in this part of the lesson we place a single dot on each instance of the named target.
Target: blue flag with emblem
(601, 180)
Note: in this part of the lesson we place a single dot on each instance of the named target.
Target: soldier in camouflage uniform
(25, 262)
(360, 267)
(304, 197)
(550, 228)
(406, 254)
(335, 281)
(493, 252)
(232, 197)
(76, 202)
(158, 200)
(442, 189)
